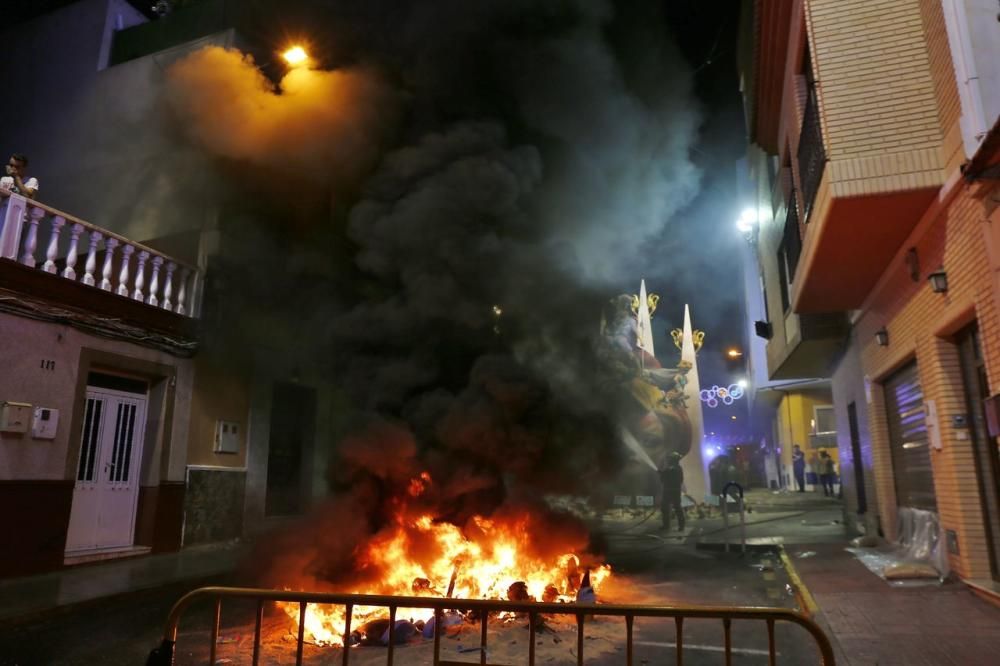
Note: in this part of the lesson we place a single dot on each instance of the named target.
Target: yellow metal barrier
(163, 655)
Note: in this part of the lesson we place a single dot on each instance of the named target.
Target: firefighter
(672, 478)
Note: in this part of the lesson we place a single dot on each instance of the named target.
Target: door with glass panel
(984, 447)
(107, 483)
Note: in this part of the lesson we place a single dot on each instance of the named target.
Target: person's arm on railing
(26, 189)
(29, 188)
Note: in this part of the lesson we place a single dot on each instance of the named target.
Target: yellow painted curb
(802, 592)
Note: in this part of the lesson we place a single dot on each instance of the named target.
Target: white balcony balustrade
(24, 221)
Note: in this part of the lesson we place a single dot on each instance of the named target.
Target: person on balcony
(14, 177)
(799, 467)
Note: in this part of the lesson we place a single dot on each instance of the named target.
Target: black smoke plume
(505, 163)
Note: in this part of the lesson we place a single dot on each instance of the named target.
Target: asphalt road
(107, 632)
(657, 567)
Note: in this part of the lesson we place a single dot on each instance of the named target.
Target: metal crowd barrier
(163, 655)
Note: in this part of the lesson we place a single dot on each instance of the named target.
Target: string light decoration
(727, 395)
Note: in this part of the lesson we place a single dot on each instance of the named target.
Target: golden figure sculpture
(698, 338)
(651, 302)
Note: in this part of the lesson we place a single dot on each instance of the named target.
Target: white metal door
(107, 484)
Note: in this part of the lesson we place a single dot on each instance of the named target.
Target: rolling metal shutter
(908, 440)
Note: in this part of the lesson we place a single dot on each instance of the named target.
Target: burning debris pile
(490, 558)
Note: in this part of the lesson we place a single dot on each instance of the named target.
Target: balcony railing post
(53, 250)
(74, 245)
(91, 265)
(140, 276)
(109, 255)
(168, 287)
(127, 251)
(182, 292)
(194, 293)
(31, 242)
(13, 223)
(154, 283)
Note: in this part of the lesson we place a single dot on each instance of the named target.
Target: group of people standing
(824, 467)
(672, 480)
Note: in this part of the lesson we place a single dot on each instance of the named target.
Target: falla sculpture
(653, 399)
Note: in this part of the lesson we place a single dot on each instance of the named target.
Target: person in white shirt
(13, 179)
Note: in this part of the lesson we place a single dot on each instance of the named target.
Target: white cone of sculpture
(693, 464)
(644, 332)
(644, 341)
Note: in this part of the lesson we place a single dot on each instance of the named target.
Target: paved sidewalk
(873, 623)
(33, 596)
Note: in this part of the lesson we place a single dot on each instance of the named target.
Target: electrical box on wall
(45, 423)
(227, 437)
(14, 416)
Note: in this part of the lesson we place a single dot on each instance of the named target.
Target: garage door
(908, 440)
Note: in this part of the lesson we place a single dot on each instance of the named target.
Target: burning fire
(417, 557)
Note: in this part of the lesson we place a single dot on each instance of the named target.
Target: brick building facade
(876, 122)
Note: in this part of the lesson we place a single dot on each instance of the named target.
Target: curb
(805, 598)
(736, 548)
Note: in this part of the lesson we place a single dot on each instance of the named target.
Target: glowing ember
(418, 557)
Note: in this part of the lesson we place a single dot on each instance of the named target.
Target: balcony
(92, 272)
(870, 151)
(764, 69)
(850, 239)
(186, 24)
(806, 345)
(802, 345)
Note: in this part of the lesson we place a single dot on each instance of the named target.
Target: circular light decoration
(727, 395)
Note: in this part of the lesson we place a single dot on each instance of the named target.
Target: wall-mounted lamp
(939, 281)
(882, 337)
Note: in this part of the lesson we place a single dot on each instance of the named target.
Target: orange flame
(419, 484)
(418, 557)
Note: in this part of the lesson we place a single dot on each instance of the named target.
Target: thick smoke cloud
(321, 125)
(540, 145)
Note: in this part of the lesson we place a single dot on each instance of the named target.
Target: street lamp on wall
(939, 281)
(882, 337)
(296, 56)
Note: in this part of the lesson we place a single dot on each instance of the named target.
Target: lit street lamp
(747, 220)
(295, 56)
